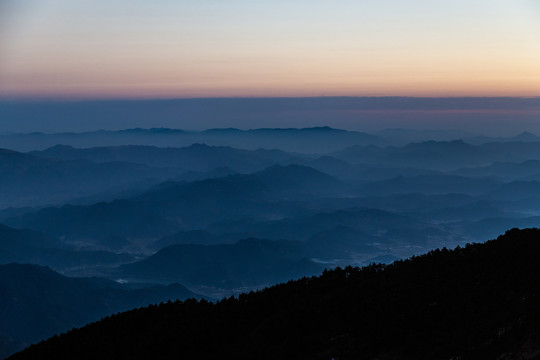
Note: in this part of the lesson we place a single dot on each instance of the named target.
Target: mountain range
(227, 211)
(311, 140)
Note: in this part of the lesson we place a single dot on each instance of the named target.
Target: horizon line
(134, 99)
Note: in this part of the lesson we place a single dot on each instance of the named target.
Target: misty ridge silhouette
(129, 218)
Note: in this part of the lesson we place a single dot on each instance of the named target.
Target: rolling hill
(248, 262)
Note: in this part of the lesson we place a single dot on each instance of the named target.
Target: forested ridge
(481, 301)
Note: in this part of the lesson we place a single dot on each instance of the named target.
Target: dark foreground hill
(477, 302)
(36, 302)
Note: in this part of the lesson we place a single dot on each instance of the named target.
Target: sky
(134, 49)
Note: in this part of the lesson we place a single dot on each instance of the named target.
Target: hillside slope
(36, 302)
(477, 302)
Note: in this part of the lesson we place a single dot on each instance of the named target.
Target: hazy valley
(133, 224)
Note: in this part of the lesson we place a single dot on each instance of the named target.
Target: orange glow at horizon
(213, 50)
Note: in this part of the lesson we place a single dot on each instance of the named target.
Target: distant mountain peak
(525, 135)
(199, 146)
(60, 147)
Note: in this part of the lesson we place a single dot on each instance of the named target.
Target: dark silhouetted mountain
(477, 302)
(28, 180)
(196, 157)
(37, 302)
(250, 262)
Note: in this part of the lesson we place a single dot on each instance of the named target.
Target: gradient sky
(206, 48)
